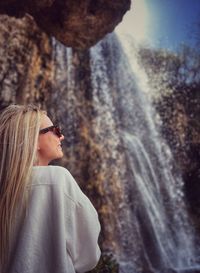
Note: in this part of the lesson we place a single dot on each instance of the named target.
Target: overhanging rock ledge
(78, 24)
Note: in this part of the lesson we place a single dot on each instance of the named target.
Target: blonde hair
(19, 130)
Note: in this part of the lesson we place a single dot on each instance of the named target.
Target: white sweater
(61, 228)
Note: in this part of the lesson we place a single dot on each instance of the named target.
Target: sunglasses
(55, 129)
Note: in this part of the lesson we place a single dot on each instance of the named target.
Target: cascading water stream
(159, 216)
(152, 232)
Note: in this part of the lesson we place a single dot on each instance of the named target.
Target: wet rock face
(25, 61)
(78, 24)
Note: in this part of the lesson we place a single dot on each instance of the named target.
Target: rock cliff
(79, 24)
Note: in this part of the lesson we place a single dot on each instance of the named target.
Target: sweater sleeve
(83, 229)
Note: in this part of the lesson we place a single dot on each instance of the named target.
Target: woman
(47, 225)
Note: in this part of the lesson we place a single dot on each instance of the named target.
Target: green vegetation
(107, 264)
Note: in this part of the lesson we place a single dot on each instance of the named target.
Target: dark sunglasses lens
(57, 131)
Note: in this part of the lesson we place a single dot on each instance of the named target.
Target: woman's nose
(62, 137)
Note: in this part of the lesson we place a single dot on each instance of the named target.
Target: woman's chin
(60, 154)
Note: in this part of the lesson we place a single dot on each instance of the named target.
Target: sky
(162, 23)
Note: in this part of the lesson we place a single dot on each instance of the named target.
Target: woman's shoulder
(58, 178)
(50, 170)
(49, 175)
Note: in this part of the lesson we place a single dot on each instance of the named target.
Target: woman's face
(49, 144)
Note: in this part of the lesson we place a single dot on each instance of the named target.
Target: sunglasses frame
(54, 128)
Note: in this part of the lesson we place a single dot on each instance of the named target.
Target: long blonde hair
(19, 130)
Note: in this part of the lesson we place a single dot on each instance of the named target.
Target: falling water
(149, 226)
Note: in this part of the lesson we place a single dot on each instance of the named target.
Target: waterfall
(114, 149)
